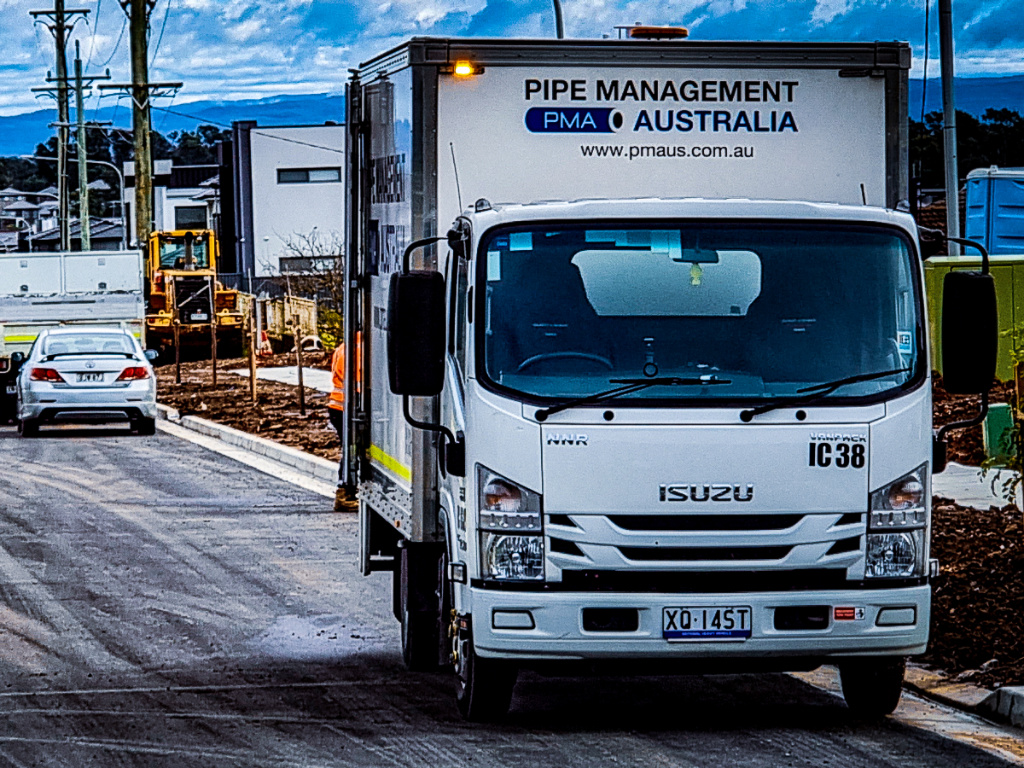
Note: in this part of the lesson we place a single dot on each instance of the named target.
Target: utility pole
(142, 91)
(83, 171)
(949, 125)
(61, 21)
(83, 176)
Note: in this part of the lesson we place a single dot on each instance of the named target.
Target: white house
(289, 186)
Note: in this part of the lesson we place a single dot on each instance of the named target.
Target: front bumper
(557, 632)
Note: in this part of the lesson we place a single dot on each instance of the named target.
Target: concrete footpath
(1005, 705)
(314, 378)
(972, 488)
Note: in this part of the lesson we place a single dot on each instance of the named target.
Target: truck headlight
(898, 527)
(511, 529)
(513, 558)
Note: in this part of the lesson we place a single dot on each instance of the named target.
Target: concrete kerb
(1003, 705)
(315, 467)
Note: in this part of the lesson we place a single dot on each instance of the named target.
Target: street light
(27, 227)
(120, 179)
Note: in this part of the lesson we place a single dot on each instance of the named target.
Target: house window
(308, 175)
(190, 217)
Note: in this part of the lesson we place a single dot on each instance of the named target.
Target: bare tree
(315, 268)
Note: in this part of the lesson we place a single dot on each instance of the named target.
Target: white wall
(284, 211)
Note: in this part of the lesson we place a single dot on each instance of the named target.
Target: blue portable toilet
(995, 209)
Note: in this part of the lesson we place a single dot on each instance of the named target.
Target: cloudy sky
(234, 49)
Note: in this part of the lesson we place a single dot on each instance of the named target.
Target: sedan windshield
(87, 344)
(772, 309)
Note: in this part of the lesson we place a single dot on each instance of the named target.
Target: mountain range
(19, 134)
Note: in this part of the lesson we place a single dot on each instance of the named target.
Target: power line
(208, 121)
(95, 27)
(163, 26)
(120, 36)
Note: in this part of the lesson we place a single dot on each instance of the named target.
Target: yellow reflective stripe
(20, 339)
(391, 463)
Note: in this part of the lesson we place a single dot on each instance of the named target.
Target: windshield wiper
(629, 386)
(816, 392)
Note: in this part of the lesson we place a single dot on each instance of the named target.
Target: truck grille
(757, 552)
(704, 522)
(706, 582)
(691, 554)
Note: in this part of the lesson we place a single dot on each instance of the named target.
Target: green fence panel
(1008, 272)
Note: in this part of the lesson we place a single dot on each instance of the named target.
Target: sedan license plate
(706, 623)
(87, 377)
(12, 389)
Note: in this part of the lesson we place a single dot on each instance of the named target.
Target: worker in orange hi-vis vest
(336, 412)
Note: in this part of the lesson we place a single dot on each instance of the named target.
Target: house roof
(99, 229)
(99, 184)
(21, 205)
(11, 192)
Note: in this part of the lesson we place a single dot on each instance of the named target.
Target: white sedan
(94, 374)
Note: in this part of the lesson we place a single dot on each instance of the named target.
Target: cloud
(260, 47)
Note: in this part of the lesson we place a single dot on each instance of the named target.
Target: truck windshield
(173, 255)
(772, 308)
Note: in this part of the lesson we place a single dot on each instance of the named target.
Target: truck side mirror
(416, 333)
(970, 332)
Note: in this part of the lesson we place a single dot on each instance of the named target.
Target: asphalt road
(161, 605)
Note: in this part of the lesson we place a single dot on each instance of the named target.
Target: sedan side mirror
(17, 357)
(970, 332)
(151, 354)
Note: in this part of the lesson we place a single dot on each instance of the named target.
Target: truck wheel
(483, 686)
(28, 427)
(872, 687)
(144, 426)
(419, 608)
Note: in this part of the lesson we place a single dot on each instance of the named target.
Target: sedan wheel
(28, 427)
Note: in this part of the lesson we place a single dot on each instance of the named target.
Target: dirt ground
(978, 600)
(275, 415)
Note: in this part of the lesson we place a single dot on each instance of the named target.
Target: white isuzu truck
(644, 373)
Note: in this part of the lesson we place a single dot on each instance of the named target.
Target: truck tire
(484, 687)
(28, 427)
(144, 426)
(872, 686)
(419, 607)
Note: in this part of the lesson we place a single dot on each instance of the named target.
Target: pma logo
(573, 120)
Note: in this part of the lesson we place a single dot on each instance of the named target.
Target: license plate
(12, 389)
(196, 316)
(706, 623)
(86, 377)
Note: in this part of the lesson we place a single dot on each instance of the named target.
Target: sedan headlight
(897, 527)
(511, 529)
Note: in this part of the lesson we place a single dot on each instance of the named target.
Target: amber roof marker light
(648, 32)
(462, 68)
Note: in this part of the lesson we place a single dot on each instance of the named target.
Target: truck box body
(676, 501)
(45, 289)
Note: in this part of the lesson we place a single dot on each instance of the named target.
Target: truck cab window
(772, 308)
